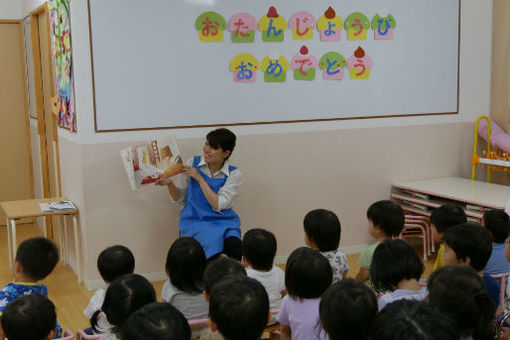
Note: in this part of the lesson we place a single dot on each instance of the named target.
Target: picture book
(148, 162)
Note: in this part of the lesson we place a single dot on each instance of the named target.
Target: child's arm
(285, 332)
(362, 275)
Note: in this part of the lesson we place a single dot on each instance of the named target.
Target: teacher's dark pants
(231, 247)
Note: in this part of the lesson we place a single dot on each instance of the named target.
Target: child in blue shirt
(497, 223)
(470, 244)
(30, 317)
(35, 259)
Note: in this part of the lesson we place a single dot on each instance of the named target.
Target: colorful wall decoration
(62, 63)
(302, 24)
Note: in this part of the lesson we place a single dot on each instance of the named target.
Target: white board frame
(228, 50)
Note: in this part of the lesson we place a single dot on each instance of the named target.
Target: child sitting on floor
(411, 319)
(385, 220)
(35, 259)
(470, 244)
(396, 270)
(307, 276)
(497, 223)
(112, 263)
(322, 233)
(124, 295)
(459, 294)
(239, 308)
(156, 321)
(185, 265)
(30, 317)
(442, 218)
(214, 271)
(259, 250)
(347, 310)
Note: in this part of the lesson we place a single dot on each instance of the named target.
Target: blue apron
(200, 221)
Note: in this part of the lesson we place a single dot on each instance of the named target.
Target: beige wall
(285, 175)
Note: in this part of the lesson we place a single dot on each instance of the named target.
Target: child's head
(387, 218)
(36, 258)
(218, 269)
(239, 308)
(259, 249)
(347, 310)
(29, 317)
(124, 295)
(114, 262)
(498, 223)
(185, 264)
(467, 243)
(307, 274)
(223, 139)
(411, 319)
(160, 321)
(393, 262)
(322, 230)
(459, 294)
(446, 216)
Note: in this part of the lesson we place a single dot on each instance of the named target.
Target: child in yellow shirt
(442, 218)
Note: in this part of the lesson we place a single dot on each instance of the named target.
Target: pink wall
(285, 175)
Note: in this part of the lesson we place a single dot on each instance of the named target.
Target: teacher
(211, 187)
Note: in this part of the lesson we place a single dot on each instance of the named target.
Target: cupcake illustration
(245, 67)
(304, 65)
(275, 68)
(383, 25)
(357, 25)
(359, 64)
(243, 27)
(332, 64)
(302, 25)
(273, 26)
(210, 27)
(330, 25)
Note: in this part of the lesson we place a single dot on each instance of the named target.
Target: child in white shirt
(259, 250)
(112, 263)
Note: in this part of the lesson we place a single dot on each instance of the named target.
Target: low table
(15, 210)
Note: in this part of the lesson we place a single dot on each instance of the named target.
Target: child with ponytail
(459, 294)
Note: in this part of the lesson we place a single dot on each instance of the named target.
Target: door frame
(41, 108)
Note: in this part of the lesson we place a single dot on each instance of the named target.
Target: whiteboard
(150, 70)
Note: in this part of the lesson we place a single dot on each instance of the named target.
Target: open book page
(146, 163)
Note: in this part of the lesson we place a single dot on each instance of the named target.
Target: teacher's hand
(163, 180)
(192, 172)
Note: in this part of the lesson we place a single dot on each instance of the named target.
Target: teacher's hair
(222, 138)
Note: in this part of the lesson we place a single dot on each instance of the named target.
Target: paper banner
(62, 63)
(210, 27)
(245, 67)
(302, 25)
(357, 26)
(243, 27)
(330, 26)
(359, 64)
(275, 69)
(332, 64)
(383, 25)
(273, 26)
(304, 65)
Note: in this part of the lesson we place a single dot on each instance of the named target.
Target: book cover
(145, 163)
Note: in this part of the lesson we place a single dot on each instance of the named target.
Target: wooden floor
(72, 298)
